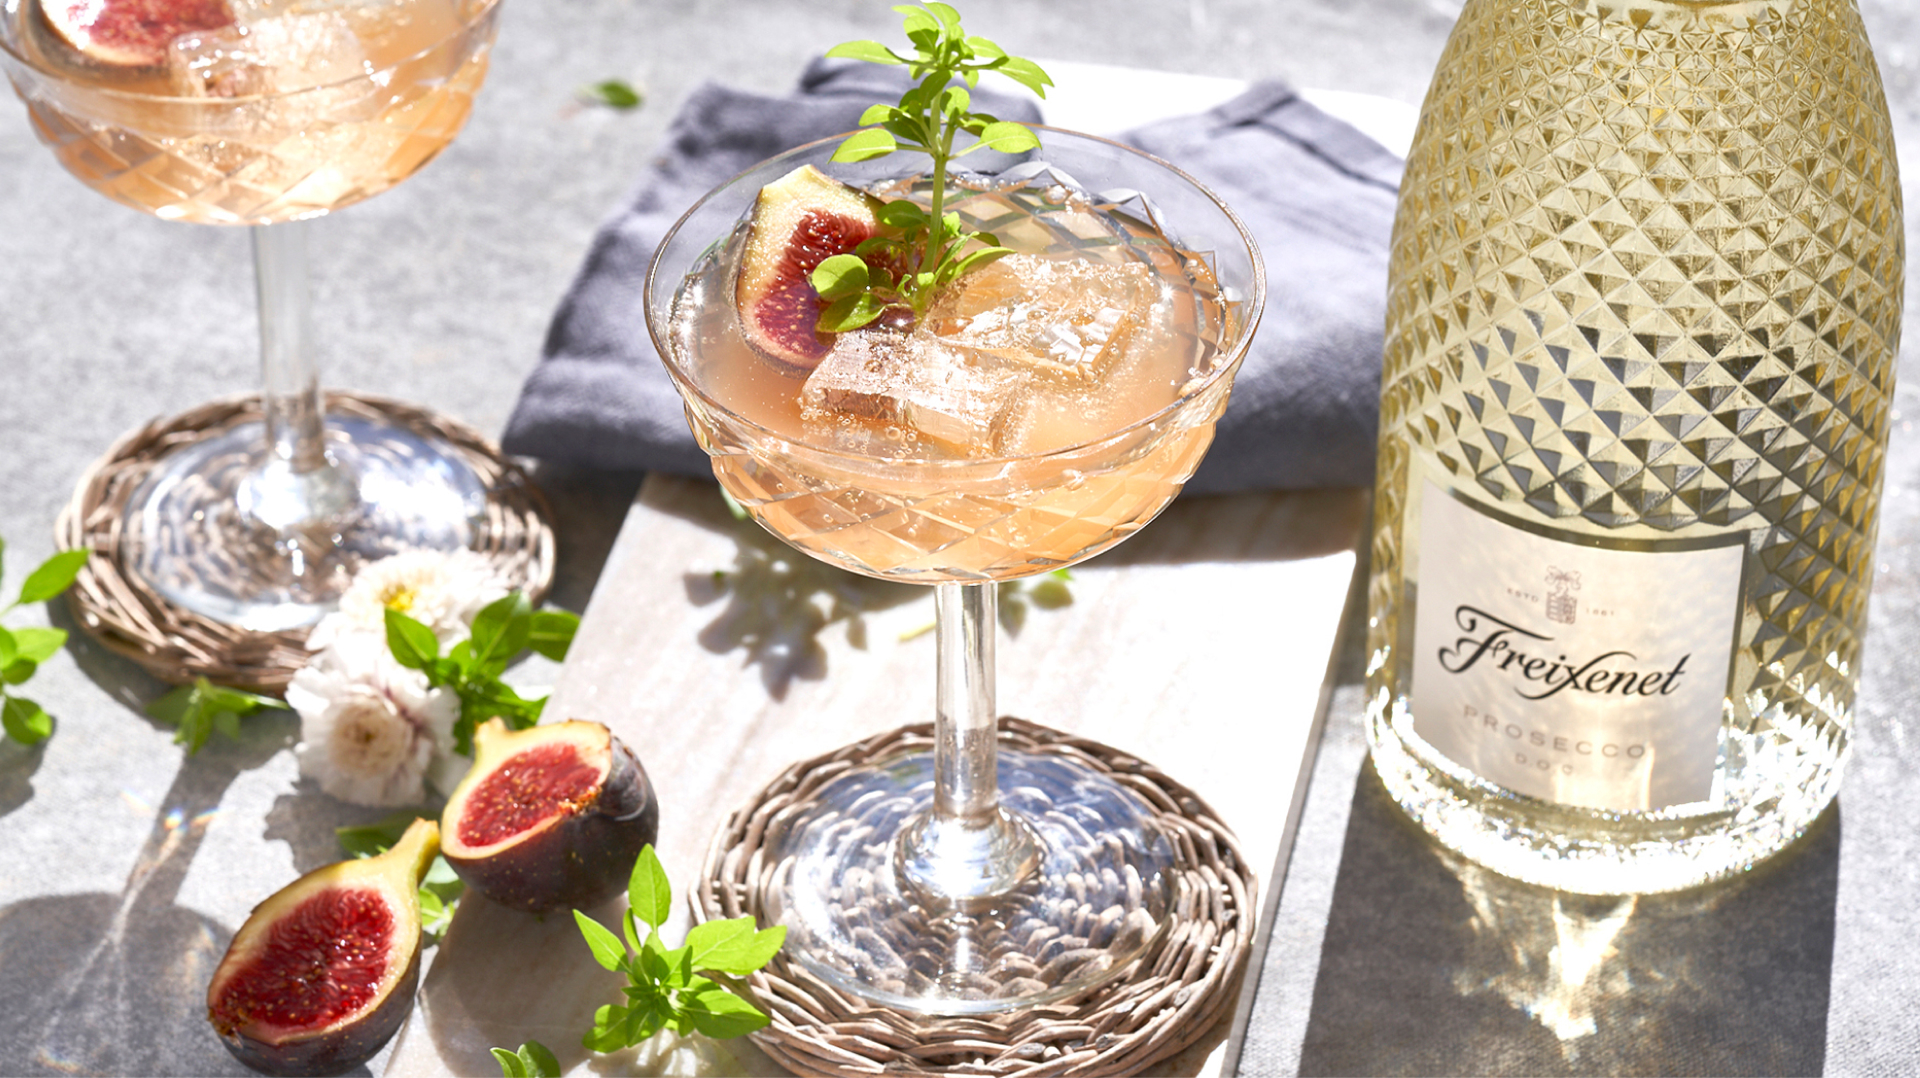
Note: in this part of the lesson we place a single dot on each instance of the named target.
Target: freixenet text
(1499, 644)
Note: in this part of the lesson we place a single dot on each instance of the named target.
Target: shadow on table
(779, 601)
(116, 983)
(1433, 965)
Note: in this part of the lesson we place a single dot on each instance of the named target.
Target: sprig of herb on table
(195, 711)
(928, 247)
(23, 650)
(665, 989)
(533, 1060)
(440, 888)
(472, 668)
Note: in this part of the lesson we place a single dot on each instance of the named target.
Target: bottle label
(1584, 675)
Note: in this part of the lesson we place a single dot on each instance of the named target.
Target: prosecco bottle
(1641, 336)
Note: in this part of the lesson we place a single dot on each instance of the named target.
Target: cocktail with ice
(264, 113)
(1036, 411)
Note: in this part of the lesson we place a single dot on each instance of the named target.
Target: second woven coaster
(1168, 998)
(129, 617)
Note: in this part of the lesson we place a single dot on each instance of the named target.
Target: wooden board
(1201, 644)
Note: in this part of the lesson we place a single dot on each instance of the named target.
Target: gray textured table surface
(113, 890)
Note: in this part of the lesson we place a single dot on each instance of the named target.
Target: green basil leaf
(839, 276)
(25, 721)
(901, 214)
(984, 49)
(365, 840)
(871, 51)
(605, 1036)
(18, 670)
(944, 12)
(734, 947)
(605, 945)
(850, 313)
(954, 101)
(613, 93)
(172, 707)
(1009, 137)
(500, 631)
(510, 1064)
(39, 645)
(866, 144)
(540, 1060)
(9, 647)
(1026, 73)
(413, 645)
(720, 1014)
(53, 576)
(649, 892)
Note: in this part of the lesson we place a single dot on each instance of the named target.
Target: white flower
(440, 589)
(369, 727)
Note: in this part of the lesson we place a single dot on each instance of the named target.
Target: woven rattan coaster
(118, 609)
(1165, 1000)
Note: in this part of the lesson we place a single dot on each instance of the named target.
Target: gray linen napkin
(1317, 195)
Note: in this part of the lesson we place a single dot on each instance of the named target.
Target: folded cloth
(1317, 195)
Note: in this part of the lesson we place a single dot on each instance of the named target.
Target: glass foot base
(188, 537)
(1101, 893)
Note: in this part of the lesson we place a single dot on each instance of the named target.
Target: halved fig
(131, 33)
(799, 221)
(323, 972)
(549, 817)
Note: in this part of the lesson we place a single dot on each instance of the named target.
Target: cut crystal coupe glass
(285, 113)
(968, 879)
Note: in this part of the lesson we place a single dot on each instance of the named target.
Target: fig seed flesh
(543, 782)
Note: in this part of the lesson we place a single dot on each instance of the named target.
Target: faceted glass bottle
(1641, 337)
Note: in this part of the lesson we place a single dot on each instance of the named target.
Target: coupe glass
(968, 879)
(318, 106)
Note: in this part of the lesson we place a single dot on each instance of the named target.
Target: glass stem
(290, 379)
(296, 490)
(965, 751)
(964, 846)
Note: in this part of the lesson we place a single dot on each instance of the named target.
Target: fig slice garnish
(322, 973)
(131, 33)
(550, 816)
(799, 221)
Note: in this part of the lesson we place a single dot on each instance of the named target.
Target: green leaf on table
(533, 1060)
(720, 1014)
(551, 632)
(648, 891)
(734, 946)
(25, 721)
(198, 710)
(606, 947)
(52, 577)
(613, 94)
(413, 644)
(368, 839)
(38, 645)
(500, 632)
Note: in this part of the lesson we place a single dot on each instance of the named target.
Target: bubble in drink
(277, 55)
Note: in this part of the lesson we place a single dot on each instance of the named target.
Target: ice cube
(1065, 319)
(951, 397)
(277, 55)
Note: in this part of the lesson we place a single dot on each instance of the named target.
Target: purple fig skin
(341, 1050)
(574, 860)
